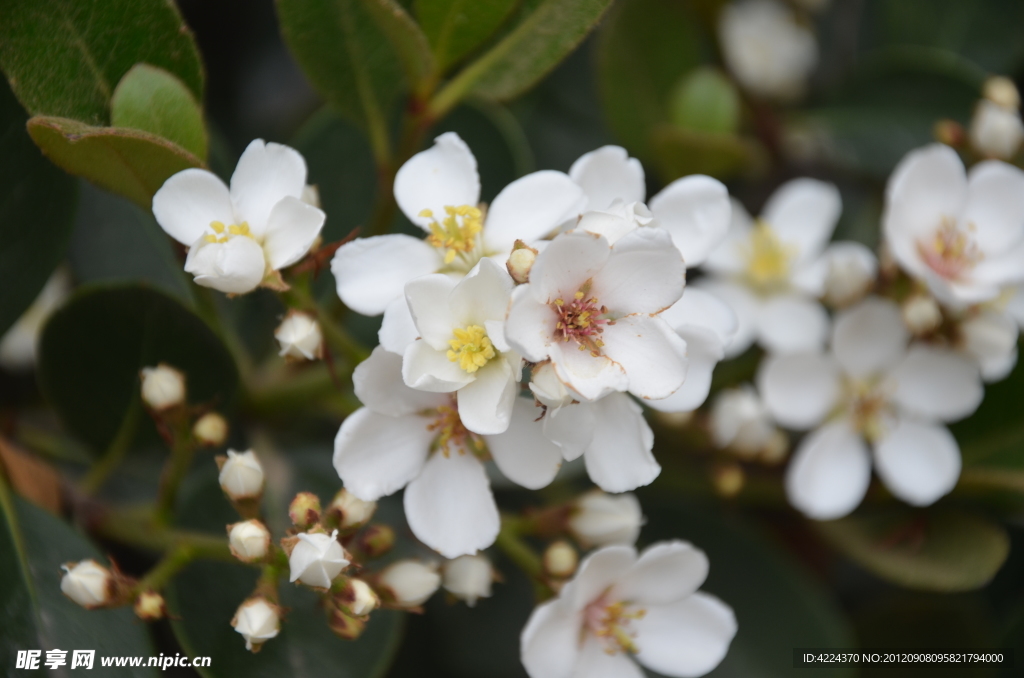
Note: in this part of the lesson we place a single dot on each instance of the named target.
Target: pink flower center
(610, 622)
(580, 320)
(950, 252)
(451, 431)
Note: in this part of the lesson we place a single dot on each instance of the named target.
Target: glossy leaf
(64, 58)
(129, 162)
(152, 100)
(457, 27)
(92, 349)
(406, 37)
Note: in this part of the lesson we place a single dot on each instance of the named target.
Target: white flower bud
(851, 272)
(995, 131)
(317, 559)
(299, 336)
(410, 582)
(258, 621)
(163, 387)
(150, 606)
(349, 511)
(548, 388)
(921, 314)
(740, 421)
(359, 598)
(241, 476)
(87, 583)
(561, 559)
(211, 429)
(991, 339)
(469, 578)
(601, 519)
(1001, 91)
(520, 262)
(249, 540)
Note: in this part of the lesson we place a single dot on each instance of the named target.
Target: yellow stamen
(457, 232)
(471, 348)
(768, 258)
(219, 229)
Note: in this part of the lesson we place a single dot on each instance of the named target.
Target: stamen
(610, 623)
(951, 252)
(768, 258)
(457, 232)
(581, 320)
(225, 233)
(471, 348)
(454, 432)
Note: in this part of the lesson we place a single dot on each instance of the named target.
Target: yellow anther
(225, 232)
(217, 226)
(768, 258)
(451, 431)
(579, 295)
(471, 348)
(457, 232)
(242, 229)
(210, 238)
(559, 302)
(426, 213)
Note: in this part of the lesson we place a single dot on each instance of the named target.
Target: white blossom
(468, 577)
(600, 519)
(299, 337)
(740, 421)
(241, 476)
(258, 621)
(316, 559)
(18, 344)
(249, 540)
(163, 387)
(410, 582)
(87, 583)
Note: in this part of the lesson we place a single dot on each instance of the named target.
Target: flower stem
(173, 562)
(519, 552)
(183, 448)
(114, 454)
(137, 527)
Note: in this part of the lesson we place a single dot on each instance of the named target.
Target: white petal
(397, 330)
(450, 507)
(744, 305)
(994, 213)
(597, 572)
(800, 389)
(591, 377)
(522, 452)
(481, 296)
(563, 266)
(530, 208)
(696, 211)
(937, 384)
(703, 351)
(803, 212)
(701, 308)
(375, 454)
(571, 428)
(549, 644)
(189, 201)
(665, 572)
(595, 662)
(653, 356)
(991, 339)
(371, 272)
(485, 403)
(728, 258)
(619, 457)
(644, 274)
(292, 228)
(530, 324)
(266, 173)
(870, 337)
(443, 175)
(609, 174)
(918, 462)
(829, 473)
(428, 369)
(792, 323)
(378, 385)
(235, 267)
(428, 298)
(687, 638)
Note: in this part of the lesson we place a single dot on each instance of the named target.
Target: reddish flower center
(452, 432)
(580, 319)
(610, 622)
(950, 252)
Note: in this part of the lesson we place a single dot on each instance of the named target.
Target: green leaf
(37, 202)
(34, 614)
(706, 101)
(457, 27)
(943, 549)
(152, 100)
(680, 152)
(406, 37)
(65, 57)
(128, 162)
(92, 349)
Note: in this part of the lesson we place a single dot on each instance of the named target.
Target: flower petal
(799, 389)
(619, 457)
(566, 264)
(571, 428)
(990, 337)
(644, 274)
(378, 385)
(744, 305)
(595, 662)
(189, 202)
(703, 351)
(803, 212)
(376, 455)
(427, 369)
(234, 267)
(664, 573)
(728, 258)
(530, 324)
(522, 452)
(869, 338)
(450, 506)
(918, 462)
(266, 173)
(443, 175)
(482, 295)
(590, 376)
(685, 638)
(937, 384)
(696, 211)
(702, 309)
(994, 213)
(549, 643)
(829, 473)
(397, 330)
(609, 174)
(372, 272)
(485, 403)
(530, 208)
(292, 228)
(653, 356)
(792, 323)
(428, 298)
(597, 572)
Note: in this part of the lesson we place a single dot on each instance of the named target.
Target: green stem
(520, 553)
(137, 527)
(182, 451)
(416, 122)
(112, 458)
(206, 307)
(173, 562)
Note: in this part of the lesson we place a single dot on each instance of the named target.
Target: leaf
(34, 614)
(994, 434)
(943, 549)
(128, 162)
(457, 27)
(152, 100)
(680, 152)
(65, 57)
(30, 476)
(37, 202)
(706, 101)
(406, 38)
(92, 349)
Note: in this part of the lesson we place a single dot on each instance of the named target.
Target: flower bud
(357, 598)
(921, 314)
(520, 262)
(741, 423)
(150, 606)
(163, 387)
(345, 625)
(304, 510)
(1001, 91)
(468, 578)
(728, 479)
(249, 540)
(241, 476)
(376, 540)
(995, 131)
(600, 519)
(408, 583)
(299, 336)
(349, 512)
(852, 268)
(561, 559)
(210, 430)
(258, 620)
(548, 388)
(317, 559)
(88, 583)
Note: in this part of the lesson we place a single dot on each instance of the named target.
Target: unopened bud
(357, 598)
(258, 620)
(728, 479)
(210, 430)
(376, 540)
(249, 540)
(316, 559)
(1001, 91)
(150, 606)
(304, 510)
(163, 387)
(852, 268)
(520, 262)
(996, 131)
(949, 132)
(409, 583)
(600, 519)
(921, 314)
(348, 512)
(241, 476)
(468, 578)
(345, 625)
(561, 559)
(299, 337)
(89, 584)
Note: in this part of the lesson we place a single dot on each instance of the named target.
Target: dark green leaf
(65, 57)
(92, 349)
(942, 549)
(406, 38)
(457, 27)
(152, 100)
(37, 202)
(128, 162)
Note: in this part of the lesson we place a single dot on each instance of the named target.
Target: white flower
(600, 519)
(410, 582)
(249, 540)
(462, 346)
(770, 271)
(87, 583)
(741, 422)
(299, 336)
(317, 559)
(18, 344)
(238, 236)
(417, 438)
(870, 389)
(620, 607)
(439, 190)
(258, 621)
(350, 511)
(163, 387)
(766, 49)
(241, 476)
(468, 578)
(961, 233)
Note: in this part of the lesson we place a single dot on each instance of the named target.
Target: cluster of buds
(164, 392)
